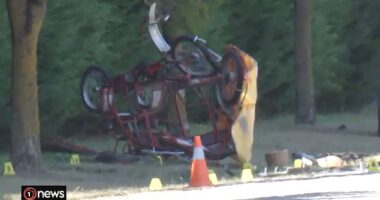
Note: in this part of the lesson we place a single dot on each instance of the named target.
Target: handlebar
(211, 55)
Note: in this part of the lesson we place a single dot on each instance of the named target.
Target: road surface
(366, 186)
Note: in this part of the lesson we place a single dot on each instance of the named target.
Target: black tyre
(93, 80)
(230, 87)
(190, 57)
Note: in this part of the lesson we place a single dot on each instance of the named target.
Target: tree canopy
(79, 33)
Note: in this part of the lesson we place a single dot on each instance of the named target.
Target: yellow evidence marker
(155, 184)
(74, 160)
(246, 175)
(213, 178)
(8, 169)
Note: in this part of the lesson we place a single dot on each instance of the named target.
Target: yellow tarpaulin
(243, 125)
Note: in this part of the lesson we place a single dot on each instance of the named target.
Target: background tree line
(76, 34)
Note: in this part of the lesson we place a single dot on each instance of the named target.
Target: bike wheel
(190, 57)
(93, 80)
(230, 87)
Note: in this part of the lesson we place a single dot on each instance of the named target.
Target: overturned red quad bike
(140, 102)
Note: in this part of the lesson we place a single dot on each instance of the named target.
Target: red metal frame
(147, 139)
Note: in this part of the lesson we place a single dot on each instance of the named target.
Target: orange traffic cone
(199, 172)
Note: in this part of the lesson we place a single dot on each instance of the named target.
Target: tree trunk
(25, 17)
(305, 105)
(378, 113)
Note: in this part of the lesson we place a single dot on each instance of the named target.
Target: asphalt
(363, 186)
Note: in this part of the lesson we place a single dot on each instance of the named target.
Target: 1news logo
(36, 192)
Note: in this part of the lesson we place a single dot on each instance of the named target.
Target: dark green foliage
(75, 34)
(344, 50)
(264, 28)
(361, 34)
(330, 61)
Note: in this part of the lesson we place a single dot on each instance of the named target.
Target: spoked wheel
(190, 57)
(93, 81)
(230, 87)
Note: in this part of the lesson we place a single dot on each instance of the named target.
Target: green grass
(365, 120)
(278, 132)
